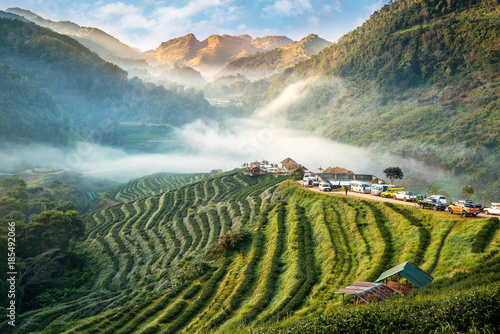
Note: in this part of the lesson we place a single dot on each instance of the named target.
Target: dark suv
(432, 203)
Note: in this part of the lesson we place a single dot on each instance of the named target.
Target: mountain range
(211, 54)
(105, 45)
(264, 64)
(208, 56)
(63, 80)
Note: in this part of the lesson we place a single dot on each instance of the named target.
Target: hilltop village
(335, 176)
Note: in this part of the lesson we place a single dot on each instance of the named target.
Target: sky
(145, 24)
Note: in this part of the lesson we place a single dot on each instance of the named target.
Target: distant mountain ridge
(214, 52)
(6, 15)
(105, 45)
(95, 95)
(275, 61)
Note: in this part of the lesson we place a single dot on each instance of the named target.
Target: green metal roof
(411, 272)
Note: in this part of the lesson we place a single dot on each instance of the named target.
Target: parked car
(419, 197)
(431, 203)
(404, 196)
(494, 209)
(440, 198)
(464, 209)
(391, 191)
(323, 186)
(306, 182)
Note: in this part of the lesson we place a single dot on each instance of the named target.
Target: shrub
(484, 236)
(192, 292)
(227, 243)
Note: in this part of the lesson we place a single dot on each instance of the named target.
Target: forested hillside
(419, 78)
(94, 94)
(33, 112)
(233, 253)
(105, 45)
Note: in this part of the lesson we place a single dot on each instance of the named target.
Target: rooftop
(411, 272)
(337, 170)
(367, 291)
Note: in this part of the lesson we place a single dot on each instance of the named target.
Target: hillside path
(370, 197)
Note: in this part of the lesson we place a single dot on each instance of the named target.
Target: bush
(461, 312)
(484, 236)
(192, 292)
(227, 243)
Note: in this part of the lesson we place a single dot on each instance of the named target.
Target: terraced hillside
(151, 185)
(154, 275)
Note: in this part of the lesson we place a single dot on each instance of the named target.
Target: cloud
(369, 10)
(193, 8)
(211, 145)
(375, 6)
(117, 9)
(143, 26)
(287, 8)
(313, 20)
(335, 5)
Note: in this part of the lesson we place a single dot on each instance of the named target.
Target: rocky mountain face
(211, 54)
(261, 65)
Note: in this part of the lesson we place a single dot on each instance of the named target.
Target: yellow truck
(389, 193)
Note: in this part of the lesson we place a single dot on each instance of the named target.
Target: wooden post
(342, 299)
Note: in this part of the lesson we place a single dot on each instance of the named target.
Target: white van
(377, 189)
(360, 187)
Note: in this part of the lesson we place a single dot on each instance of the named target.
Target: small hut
(410, 271)
(368, 291)
(253, 170)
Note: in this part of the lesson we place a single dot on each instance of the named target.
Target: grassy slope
(149, 257)
(150, 185)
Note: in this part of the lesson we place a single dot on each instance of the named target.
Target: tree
(297, 174)
(393, 173)
(51, 229)
(467, 191)
(433, 189)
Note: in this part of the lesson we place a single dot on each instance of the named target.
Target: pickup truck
(432, 203)
(404, 196)
(474, 205)
(464, 209)
(494, 209)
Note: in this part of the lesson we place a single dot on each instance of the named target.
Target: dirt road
(370, 197)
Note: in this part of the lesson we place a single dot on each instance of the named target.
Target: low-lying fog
(264, 135)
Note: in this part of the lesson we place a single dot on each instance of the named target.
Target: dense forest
(47, 227)
(95, 95)
(32, 112)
